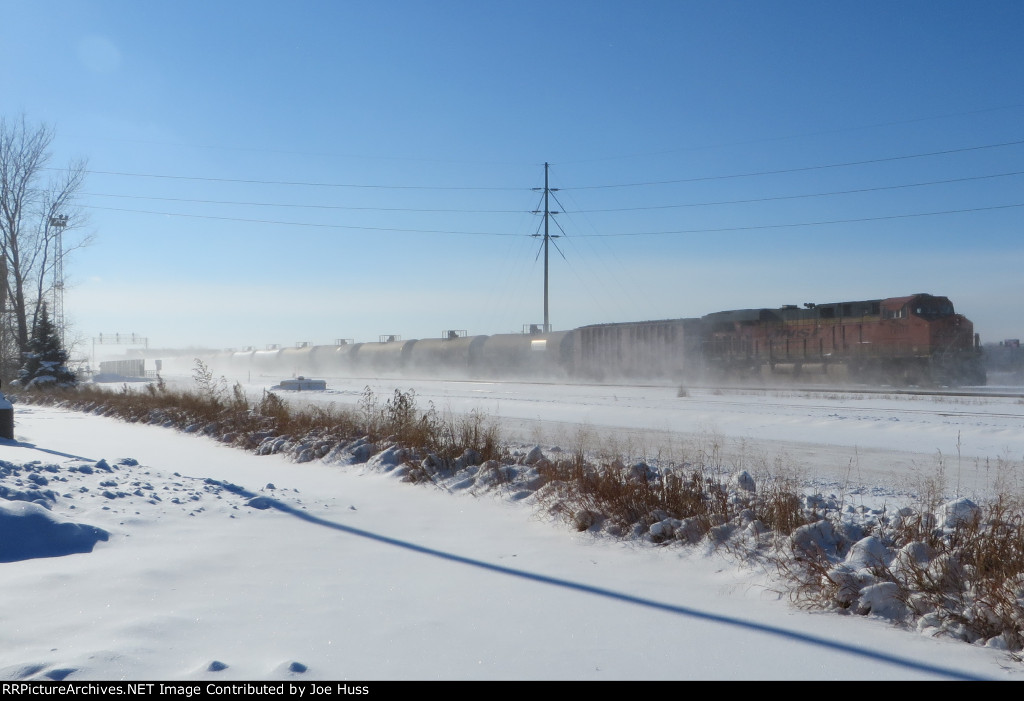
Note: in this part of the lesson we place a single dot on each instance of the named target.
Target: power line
(494, 233)
(803, 196)
(316, 154)
(371, 157)
(305, 224)
(713, 203)
(307, 206)
(800, 169)
(802, 224)
(296, 183)
(792, 137)
(521, 189)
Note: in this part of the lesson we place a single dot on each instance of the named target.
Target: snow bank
(28, 530)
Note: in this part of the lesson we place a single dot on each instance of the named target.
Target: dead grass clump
(780, 508)
(272, 425)
(443, 435)
(637, 496)
(969, 576)
(957, 570)
(673, 502)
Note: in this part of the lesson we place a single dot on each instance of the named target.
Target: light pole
(59, 222)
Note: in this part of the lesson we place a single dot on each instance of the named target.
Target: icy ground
(207, 562)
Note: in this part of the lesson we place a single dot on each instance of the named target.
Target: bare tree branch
(36, 213)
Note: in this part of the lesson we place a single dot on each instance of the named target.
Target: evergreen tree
(46, 360)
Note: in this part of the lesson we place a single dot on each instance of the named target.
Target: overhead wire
(791, 137)
(304, 206)
(609, 272)
(779, 198)
(298, 183)
(306, 224)
(814, 223)
(511, 292)
(496, 233)
(594, 295)
(801, 169)
(508, 292)
(249, 203)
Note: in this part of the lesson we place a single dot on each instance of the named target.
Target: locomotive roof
(788, 312)
(897, 302)
(748, 314)
(792, 312)
(641, 323)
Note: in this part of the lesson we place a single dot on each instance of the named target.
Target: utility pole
(547, 238)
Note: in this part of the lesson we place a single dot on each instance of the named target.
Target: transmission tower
(547, 239)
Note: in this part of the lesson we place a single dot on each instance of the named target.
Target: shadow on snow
(259, 501)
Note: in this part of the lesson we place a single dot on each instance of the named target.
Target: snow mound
(28, 530)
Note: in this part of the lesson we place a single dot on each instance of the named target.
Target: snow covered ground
(217, 564)
(887, 442)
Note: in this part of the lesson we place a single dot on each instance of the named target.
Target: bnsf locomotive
(915, 340)
(902, 340)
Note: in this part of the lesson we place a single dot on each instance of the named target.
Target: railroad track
(808, 389)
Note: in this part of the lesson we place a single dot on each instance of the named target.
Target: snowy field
(351, 574)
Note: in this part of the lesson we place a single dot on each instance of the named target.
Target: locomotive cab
(923, 306)
(931, 308)
(931, 343)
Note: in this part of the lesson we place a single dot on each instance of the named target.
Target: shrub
(45, 360)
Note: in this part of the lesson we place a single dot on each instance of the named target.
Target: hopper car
(913, 340)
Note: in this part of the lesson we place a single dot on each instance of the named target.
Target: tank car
(266, 362)
(331, 360)
(532, 355)
(296, 360)
(389, 355)
(452, 355)
(236, 361)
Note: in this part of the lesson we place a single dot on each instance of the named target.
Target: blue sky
(351, 169)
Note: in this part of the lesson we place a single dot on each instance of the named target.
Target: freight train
(913, 340)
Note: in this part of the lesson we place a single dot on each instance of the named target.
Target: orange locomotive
(915, 340)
